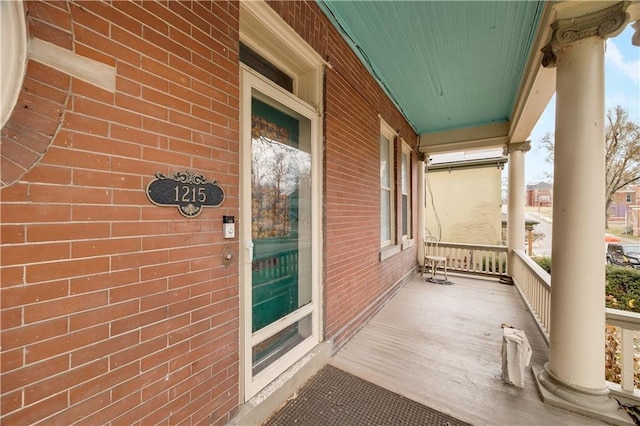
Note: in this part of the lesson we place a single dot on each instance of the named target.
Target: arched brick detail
(41, 104)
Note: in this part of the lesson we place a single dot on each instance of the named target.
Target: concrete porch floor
(440, 345)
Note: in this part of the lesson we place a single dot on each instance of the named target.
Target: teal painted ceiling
(446, 64)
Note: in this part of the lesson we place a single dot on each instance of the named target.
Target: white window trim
(389, 133)
(406, 150)
(262, 30)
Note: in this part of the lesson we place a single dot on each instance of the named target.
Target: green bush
(544, 262)
(623, 288)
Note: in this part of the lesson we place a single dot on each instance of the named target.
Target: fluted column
(515, 205)
(574, 376)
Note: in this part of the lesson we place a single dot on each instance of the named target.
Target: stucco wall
(468, 204)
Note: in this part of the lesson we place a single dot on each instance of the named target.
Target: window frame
(405, 190)
(389, 134)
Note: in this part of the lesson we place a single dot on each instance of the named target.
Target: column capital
(603, 23)
(517, 146)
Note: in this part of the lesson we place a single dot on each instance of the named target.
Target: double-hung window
(406, 191)
(387, 204)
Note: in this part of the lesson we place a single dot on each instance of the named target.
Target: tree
(622, 141)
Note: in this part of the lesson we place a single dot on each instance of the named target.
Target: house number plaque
(188, 191)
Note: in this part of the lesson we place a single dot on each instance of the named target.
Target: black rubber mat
(334, 397)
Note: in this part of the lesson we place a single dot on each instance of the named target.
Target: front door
(280, 314)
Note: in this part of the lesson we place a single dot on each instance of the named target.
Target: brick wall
(356, 281)
(114, 309)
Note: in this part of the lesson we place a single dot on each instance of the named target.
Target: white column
(420, 200)
(574, 376)
(515, 205)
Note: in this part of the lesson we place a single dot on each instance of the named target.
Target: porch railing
(629, 325)
(475, 258)
(534, 285)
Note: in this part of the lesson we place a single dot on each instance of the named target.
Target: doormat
(334, 397)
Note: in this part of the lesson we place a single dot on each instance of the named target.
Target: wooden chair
(431, 257)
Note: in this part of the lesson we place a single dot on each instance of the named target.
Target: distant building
(463, 196)
(623, 202)
(540, 195)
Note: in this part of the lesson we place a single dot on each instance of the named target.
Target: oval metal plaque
(188, 191)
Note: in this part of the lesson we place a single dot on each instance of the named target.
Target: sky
(622, 87)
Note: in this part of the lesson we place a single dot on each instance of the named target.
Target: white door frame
(250, 385)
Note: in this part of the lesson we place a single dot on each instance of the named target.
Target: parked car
(624, 254)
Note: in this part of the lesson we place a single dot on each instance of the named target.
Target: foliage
(544, 262)
(489, 263)
(623, 288)
(622, 142)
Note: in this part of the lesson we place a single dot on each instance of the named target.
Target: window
(387, 204)
(406, 192)
(628, 198)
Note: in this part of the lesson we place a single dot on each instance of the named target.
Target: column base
(594, 403)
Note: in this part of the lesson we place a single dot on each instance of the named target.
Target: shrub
(544, 262)
(623, 288)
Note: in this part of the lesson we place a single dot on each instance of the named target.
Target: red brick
(49, 174)
(87, 19)
(18, 213)
(104, 247)
(66, 343)
(144, 46)
(10, 318)
(135, 321)
(57, 16)
(33, 293)
(82, 123)
(124, 229)
(33, 372)
(96, 55)
(12, 234)
(57, 384)
(93, 143)
(10, 402)
(103, 281)
(165, 270)
(36, 412)
(103, 382)
(89, 38)
(144, 409)
(96, 178)
(163, 356)
(114, 16)
(66, 306)
(137, 352)
(140, 381)
(51, 34)
(11, 276)
(113, 410)
(68, 194)
(18, 153)
(67, 231)
(10, 171)
(137, 260)
(106, 348)
(106, 112)
(164, 327)
(77, 412)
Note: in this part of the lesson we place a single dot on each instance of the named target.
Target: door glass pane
(281, 214)
(269, 350)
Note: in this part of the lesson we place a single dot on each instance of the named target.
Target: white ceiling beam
(488, 136)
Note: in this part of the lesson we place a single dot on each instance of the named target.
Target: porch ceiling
(454, 68)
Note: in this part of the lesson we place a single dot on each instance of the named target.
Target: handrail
(475, 258)
(629, 324)
(534, 285)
